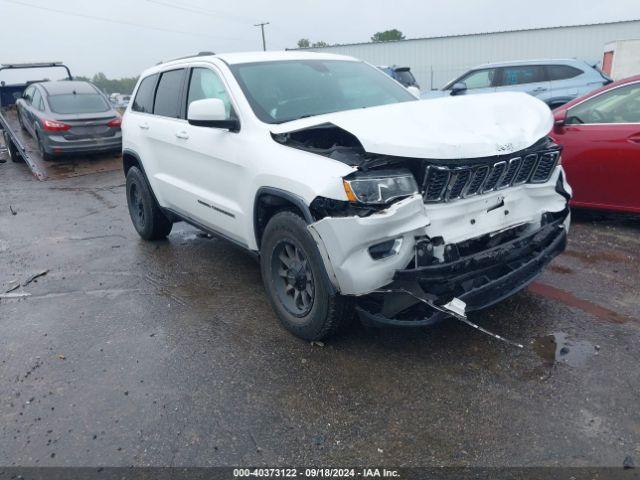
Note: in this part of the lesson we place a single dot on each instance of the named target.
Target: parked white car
(352, 193)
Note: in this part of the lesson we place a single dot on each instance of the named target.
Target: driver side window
(204, 84)
(479, 79)
(620, 105)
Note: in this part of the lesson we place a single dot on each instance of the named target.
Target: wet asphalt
(167, 353)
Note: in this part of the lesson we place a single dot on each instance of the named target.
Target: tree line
(386, 36)
(111, 85)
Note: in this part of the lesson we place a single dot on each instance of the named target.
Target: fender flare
(285, 195)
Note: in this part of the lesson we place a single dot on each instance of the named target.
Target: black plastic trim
(487, 294)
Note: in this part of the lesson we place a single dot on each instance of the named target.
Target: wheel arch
(131, 159)
(269, 201)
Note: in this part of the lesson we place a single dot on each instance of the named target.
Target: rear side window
(168, 94)
(522, 74)
(562, 72)
(78, 103)
(28, 94)
(144, 97)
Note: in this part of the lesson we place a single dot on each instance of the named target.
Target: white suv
(354, 194)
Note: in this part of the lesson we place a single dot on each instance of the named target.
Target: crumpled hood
(466, 126)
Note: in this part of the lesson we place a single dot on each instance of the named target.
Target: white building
(436, 60)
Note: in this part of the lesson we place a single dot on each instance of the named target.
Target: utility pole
(261, 25)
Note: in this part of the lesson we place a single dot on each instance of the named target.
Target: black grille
(443, 183)
(479, 174)
(435, 182)
(527, 167)
(507, 180)
(545, 167)
(494, 176)
(457, 184)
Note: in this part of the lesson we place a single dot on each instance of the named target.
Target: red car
(600, 133)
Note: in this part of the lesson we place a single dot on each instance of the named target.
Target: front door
(601, 139)
(211, 170)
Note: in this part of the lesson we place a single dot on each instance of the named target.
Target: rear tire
(296, 283)
(43, 153)
(146, 215)
(14, 154)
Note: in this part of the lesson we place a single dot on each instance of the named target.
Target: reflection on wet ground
(572, 300)
(559, 348)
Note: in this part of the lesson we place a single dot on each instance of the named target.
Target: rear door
(23, 111)
(32, 112)
(136, 125)
(531, 79)
(601, 139)
(161, 130)
(566, 82)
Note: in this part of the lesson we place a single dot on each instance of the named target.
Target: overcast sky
(139, 33)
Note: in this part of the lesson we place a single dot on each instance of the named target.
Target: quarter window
(522, 74)
(144, 97)
(619, 105)
(204, 84)
(562, 72)
(168, 94)
(479, 79)
(28, 94)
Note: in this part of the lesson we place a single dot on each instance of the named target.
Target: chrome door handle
(144, 126)
(183, 135)
(539, 89)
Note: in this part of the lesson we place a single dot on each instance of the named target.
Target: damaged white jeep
(354, 194)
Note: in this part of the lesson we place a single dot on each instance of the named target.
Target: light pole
(261, 25)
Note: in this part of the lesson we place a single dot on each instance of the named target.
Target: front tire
(296, 283)
(145, 213)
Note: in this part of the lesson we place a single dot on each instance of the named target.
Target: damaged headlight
(380, 186)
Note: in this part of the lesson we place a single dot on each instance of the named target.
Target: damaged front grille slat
(448, 183)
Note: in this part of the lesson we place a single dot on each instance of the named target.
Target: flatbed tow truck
(23, 148)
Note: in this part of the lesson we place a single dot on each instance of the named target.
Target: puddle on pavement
(557, 348)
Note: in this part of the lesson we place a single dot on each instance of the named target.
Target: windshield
(287, 90)
(78, 103)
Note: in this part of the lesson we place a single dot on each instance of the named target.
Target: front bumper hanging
(480, 280)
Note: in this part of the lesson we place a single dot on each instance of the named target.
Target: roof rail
(199, 54)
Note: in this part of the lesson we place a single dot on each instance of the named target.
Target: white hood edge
(469, 126)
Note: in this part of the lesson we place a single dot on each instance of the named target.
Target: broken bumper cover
(350, 268)
(480, 280)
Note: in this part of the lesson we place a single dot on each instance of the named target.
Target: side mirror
(458, 88)
(415, 91)
(211, 112)
(560, 118)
